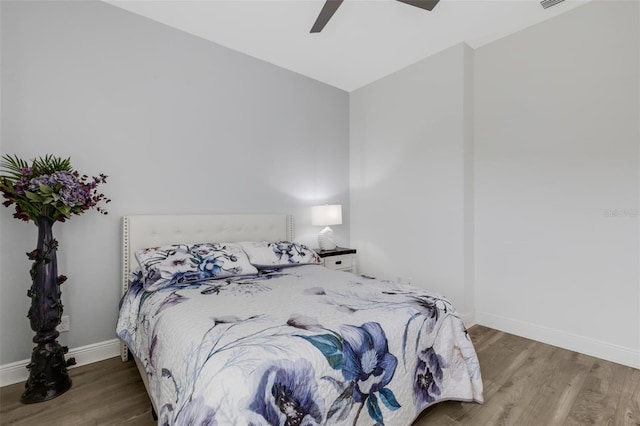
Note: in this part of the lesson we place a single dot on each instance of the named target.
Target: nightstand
(340, 259)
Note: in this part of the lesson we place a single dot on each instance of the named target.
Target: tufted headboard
(142, 231)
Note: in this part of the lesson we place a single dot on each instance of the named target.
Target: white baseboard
(17, 371)
(585, 345)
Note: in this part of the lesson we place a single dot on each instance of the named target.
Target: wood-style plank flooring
(526, 383)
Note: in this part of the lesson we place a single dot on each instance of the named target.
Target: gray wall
(411, 135)
(179, 124)
(557, 122)
(511, 172)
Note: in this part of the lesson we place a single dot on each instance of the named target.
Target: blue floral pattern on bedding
(268, 255)
(182, 263)
(287, 394)
(301, 346)
(362, 355)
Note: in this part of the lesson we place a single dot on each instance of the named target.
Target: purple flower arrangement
(45, 191)
(49, 187)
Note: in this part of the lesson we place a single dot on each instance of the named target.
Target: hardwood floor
(526, 383)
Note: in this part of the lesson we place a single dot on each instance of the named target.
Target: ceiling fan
(330, 7)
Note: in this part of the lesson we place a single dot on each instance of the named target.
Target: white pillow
(180, 264)
(279, 254)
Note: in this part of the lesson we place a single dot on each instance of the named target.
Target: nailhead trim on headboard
(143, 231)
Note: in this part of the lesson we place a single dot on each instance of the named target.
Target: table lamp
(328, 214)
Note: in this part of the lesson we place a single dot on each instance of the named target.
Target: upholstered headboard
(142, 231)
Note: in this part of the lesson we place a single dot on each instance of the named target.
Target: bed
(230, 323)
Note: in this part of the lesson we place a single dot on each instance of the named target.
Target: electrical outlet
(64, 325)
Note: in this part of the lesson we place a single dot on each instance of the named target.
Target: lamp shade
(328, 214)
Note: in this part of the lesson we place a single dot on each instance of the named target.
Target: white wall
(179, 124)
(546, 120)
(557, 136)
(410, 145)
(507, 179)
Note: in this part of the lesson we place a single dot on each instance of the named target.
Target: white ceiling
(364, 41)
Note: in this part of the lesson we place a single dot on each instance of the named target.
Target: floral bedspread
(303, 345)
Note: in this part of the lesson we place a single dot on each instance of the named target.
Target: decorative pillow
(183, 264)
(279, 254)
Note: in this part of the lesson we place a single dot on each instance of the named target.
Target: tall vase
(48, 376)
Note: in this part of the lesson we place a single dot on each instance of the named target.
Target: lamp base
(325, 239)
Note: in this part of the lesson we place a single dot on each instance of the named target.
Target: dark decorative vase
(48, 376)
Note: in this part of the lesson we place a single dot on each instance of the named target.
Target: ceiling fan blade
(422, 4)
(329, 8)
